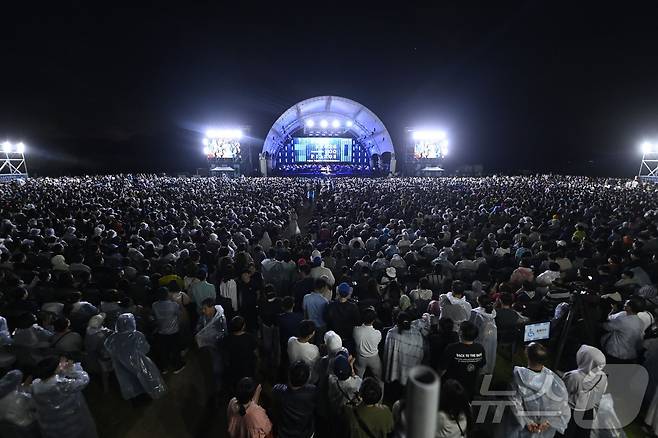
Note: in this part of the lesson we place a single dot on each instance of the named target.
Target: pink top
(254, 424)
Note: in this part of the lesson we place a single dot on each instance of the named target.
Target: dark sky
(528, 85)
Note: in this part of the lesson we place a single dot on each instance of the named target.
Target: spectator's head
(486, 303)
(458, 288)
(454, 401)
(424, 283)
(634, 305)
(202, 274)
(342, 367)
(344, 290)
(208, 307)
(404, 321)
(370, 391)
(446, 325)
(468, 332)
(552, 266)
(369, 316)
(47, 368)
(537, 355)
(237, 324)
(333, 342)
(163, 293)
(298, 374)
(321, 285)
(506, 300)
(306, 330)
(288, 303)
(245, 391)
(61, 325)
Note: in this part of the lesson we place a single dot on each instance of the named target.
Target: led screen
(322, 149)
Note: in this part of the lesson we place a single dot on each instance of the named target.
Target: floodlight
(205, 142)
(324, 123)
(6, 147)
(206, 150)
(20, 147)
(349, 123)
(224, 133)
(310, 123)
(647, 147)
(335, 124)
(428, 135)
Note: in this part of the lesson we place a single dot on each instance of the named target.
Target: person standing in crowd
(541, 400)
(366, 345)
(167, 315)
(300, 347)
(295, 403)
(240, 350)
(246, 419)
(201, 290)
(403, 349)
(135, 371)
(463, 361)
(455, 417)
(248, 298)
(315, 305)
(211, 329)
(370, 419)
(484, 318)
(586, 386)
(288, 322)
(342, 315)
(343, 384)
(17, 414)
(625, 333)
(57, 393)
(454, 305)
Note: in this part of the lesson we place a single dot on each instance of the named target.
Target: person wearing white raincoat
(540, 401)
(17, 412)
(484, 318)
(61, 408)
(135, 371)
(592, 409)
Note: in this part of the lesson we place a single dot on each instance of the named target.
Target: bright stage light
(335, 124)
(205, 142)
(20, 147)
(206, 150)
(6, 147)
(324, 123)
(349, 123)
(429, 135)
(224, 133)
(647, 147)
(310, 123)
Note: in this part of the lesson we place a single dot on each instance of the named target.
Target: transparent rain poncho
(61, 407)
(135, 371)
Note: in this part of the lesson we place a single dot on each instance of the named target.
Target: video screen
(219, 148)
(429, 149)
(322, 149)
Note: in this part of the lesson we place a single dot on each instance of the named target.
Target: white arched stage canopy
(363, 124)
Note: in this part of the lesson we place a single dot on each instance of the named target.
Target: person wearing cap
(319, 271)
(342, 315)
(344, 384)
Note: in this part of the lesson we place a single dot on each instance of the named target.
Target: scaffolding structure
(12, 163)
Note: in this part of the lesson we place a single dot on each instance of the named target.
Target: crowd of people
(310, 327)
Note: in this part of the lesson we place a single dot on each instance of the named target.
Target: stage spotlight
(206, 150)
(428, 135)
(349, 123)
(647, 147)
(324, 123)
(20, 147)
(205, 142)
(310, 123)
(335, 124)
(234, 134)
(6, 147)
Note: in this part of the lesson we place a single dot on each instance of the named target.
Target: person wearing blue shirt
(315, 305)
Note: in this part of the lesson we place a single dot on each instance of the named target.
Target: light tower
(649, 166)
(12, 161)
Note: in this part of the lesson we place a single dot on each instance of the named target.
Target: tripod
(578, 309)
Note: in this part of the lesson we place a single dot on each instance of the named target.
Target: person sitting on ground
(625, 333)
(65, 341)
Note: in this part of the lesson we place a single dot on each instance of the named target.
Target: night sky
(531, 85)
